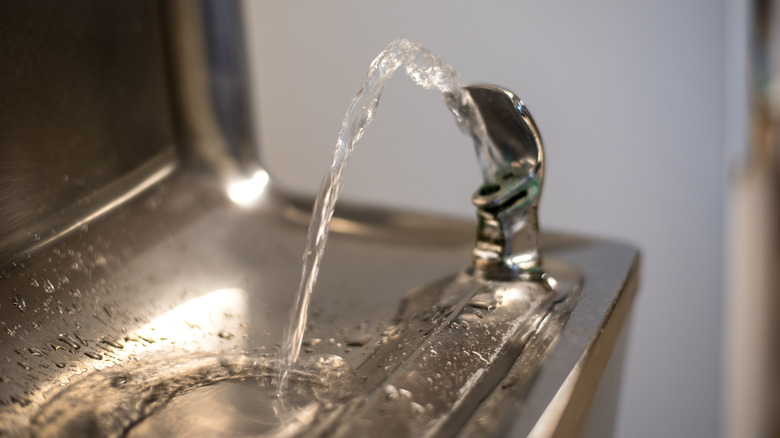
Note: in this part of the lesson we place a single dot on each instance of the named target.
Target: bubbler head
(507, 233)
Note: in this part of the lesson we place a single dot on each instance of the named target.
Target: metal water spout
(507, 231)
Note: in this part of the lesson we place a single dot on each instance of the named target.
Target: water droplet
(390, 391)
(482, 301)
(24, 365)
(312, 342)
(391, 331)
(68, 341)
(21, 401)
(35, 351)
(405, 393)
(225, 334)
(417, 408)
(119, 381)
(96, 356)
(48, 287)
(480, 357)
(20, 303)
(357, 339)
(60, 364)
(112, 343)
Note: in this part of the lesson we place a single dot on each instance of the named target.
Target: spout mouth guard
(510, 132)
(507, 234)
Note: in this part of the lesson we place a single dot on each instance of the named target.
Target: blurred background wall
(638, 122)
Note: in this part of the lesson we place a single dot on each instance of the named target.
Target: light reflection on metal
(247, 192)
(199, 322)
(203, 323)
(113, 196)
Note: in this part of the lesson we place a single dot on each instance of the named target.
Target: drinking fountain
(148, 260)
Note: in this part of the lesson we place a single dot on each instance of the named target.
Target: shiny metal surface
(86, 115)
(188, 264)
(211, 88)
(507, 231)
(180, 266)
(90, 115)
(472, 333)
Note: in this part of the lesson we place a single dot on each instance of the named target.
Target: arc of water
(427, 71)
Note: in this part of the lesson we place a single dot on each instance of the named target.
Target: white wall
(629, 99)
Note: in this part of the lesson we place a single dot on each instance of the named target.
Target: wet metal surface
(183, 269)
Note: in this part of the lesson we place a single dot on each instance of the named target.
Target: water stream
(427, 71)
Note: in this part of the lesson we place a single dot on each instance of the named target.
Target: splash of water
(427, 71)
(130, 400)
